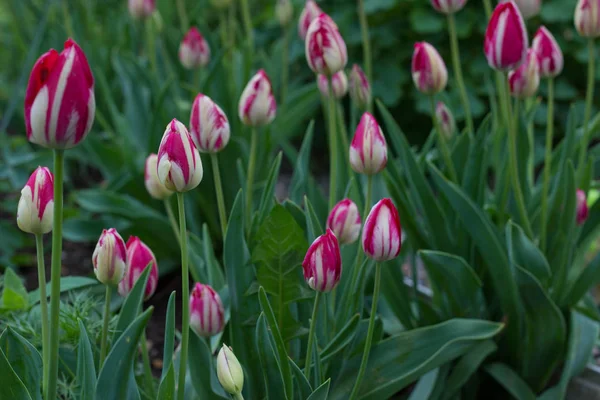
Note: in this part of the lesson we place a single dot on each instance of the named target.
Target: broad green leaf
(86, 369)
(321, 392)
(166, 389)
(341, 340)
(14, 295)
(586, 280)
(299, 182)
(473, 182)
(268, 193)
(460, 155)
(303, 389)
(511, 381)
(395, 293)
(102, 201)
(467, 366)
(313, 226)
(132, 304)
(202, 369)
(25, 361)
(214, 271)
(523, 252)
(67, 284)
(272, 374)
(12, 387)
(425, 386)
(169, 344)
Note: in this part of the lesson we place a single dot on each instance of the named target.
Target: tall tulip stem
(458, 71)
(250, 177)
(183, 20)
(39, 244)
(589, 97)
(248, 23)
(151, 45)
(333, 147)
(311, 337)
(487, 5)
(185, 298)
(105, 320)
(285, 67)
(219, 189)
(364, 30)
(547, 163)
(172, 220)
(442, 144)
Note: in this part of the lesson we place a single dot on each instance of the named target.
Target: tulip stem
(364, 30)
(238, 396)
(458, 71)
(344, 136)
(182, 16)
(248, 23)
(488, 8)
(285, 67)
(185, 296)
(172, 220)
(443, 146)
(250, 178)
(151, 45)
(219, 190)
(105, 320)
(311, 337)
(55, 270)
(39, 244)
(146, 361)
(547, 164)
(333, 150)
(365, 358)
(589, 97)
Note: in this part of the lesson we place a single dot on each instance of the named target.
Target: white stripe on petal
(59, 93)
(37, 117)
(500, 31)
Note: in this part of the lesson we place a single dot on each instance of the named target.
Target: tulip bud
(582, 207)
(139, 256)
(445, 119)
(59, 101)
(207, 315)
(549, 54)
(325, 49)
(229, 371)
(140, 9)
(209, 126)
(381, 239)
(506, 39)
(429, 71)
(360, 89)
(368, 150)
(587, 18)
(448, 6)
(529, 8)
(284, 10)
(525, 80)
(309, 13)
(193, 50)
(322, 264)
(344, 221)
(35, 212)
(153, 185)
(179, 165)
(257, 104)
(339, 81)
(110, 257)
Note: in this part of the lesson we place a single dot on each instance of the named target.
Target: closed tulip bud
(325, 49)
(382, 233)
(445, 119)
(529, 8)
(587, 18)
(368, 150)
(193, 50)
(582, 207)
(35, 212)
(344, 221)
(207, 315)
(549, 54)
(429, 71)
(322, 264)
(284, 11)
(153, 185)
(506, 40)
(257, 104)
(139, 257)
(59, 101)
(140, 9)
(360, 89)
(209, 126)
(525, 80)
(339, 81)
(309, 13)
(229, 371)
(448, 6)
(179, 165)
(110, 257)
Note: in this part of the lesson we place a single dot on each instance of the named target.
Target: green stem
(39, 244)
(487, 4)
(443, 145)
(364, 30)
(248, 23)
(504, 118)
(223, 29)
(182, 16)
(529, 104)
(219, 190)
(589, 97)
(365, 358)
(55, 272)
(238, 396)
(146, 361)
(172, 220)
(333, 150)
(185, 296)
(151, 45)
(285, 67)
(105, 320)
(250, 177)
(547, 164)
(415, 275)
(311, 337)
(344, 136)
(458, 71)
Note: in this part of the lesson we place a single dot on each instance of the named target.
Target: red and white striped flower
(506, 40)
(448, 6)
(326, 51)
(445, 119)
(59, 101)
(284, 11)
(310, 11)
(193, 50)
(525, 80)
(339, 81)
(529, 8)
(35, 212)
(257, 104)
(587, 18)
(549, 54)
(360, 89)
(110, 257)
(582, 207)
(382, 233)
(179, 165)
(429, 71)
(368, 150)
(322, 264)
(139, 257)
(344, 221)
(153, 185)
(209, 126)
(207, 315)
(140, 9)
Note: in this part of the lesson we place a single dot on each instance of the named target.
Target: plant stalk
(185, 296)
(458, 71)
(589, 97)
(183, 21)
(238, 396)
(219, 189)
(333, 148)
(443, 145)
(487, 4)
(39, 245)
(547, 164)
(248, 23)
(151, 46)
(250, 178)
(105, 320)
(364, 31)
(285, 67)
(172, 220)
(311, 337)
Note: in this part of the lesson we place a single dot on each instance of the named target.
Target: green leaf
(105, 202)
(202, 371)
(268, 194)
(271, 369)
(467, 366)
(473, 182)
(523, 252)
(67, 284)
(321, 392)
(14, 296)
(166, 389)
(511, 381)
(425, 386)
(299, 182)
(394, 291)
(313, 226)
(588, 279)
(132, 304)
(25, 361)
(303, 389)
(86, 369)
(169, 336)
(341, 340)
(12, 387)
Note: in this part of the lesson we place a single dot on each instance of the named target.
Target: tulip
(207, 315)
(429, 71)
(325, 49)
(284, 11)
(587, 18)
(193, 50)
(140, 9)
(525, 80)
(35, 212)
(360, 89)
(549, 54)
(339, 81)
(382, 232)
(179, 165)
(445, 119)
(209, 126)
(322, 264)
(309, 13)
(448, 6)
(59, 101)
(506, 41)
(529, 8)
(368, 150)
(257, 104)
(344, 221)
(229, 371)
(110, 257)
(139, 257)
(153, 185)
(582, 207)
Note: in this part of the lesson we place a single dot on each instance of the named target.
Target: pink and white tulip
(506, 40)
(339, 81)
(110, 257)
(549, 54)
(59, 101)
(368, 150)
(344, 221)
(35, 212)
(139, 257)
(322, 264)
(310, 11)
(207, 315)
(284, 11)
(429, 71)
(193, 50)
(140, 9)
(582, 207)
(153, 185)
(587, 18)
(209, 126)
(448, 6)
(525, 80)
(445, 119)
(257, 105)
(382, 233)
(360, 89)
(179, 165)
(529, 8)
(326, 51)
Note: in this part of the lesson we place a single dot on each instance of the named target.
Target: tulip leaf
(341, 340)
(268, 194)
(24, 360)
(169, 337)
(12, 386)
(67, 284)
(300, 177)
(202, 371)
(522, 251)
(460, 155)
(86, 369)
(313, 226)
(584, 282)
(105, 202)
(467, 366)
(511, 381)
(303, 389)
(321, 392)
(273, 376)
(14, 295)
(166, 389)
(132, 304)
(473, 181)
(425, 386)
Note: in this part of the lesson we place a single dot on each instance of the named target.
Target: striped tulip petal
(209, 126)
(35, 212)
(139, 257)
(110, 257)
(382, 233)
(207, 315)
(368, 150)
(322, 264)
